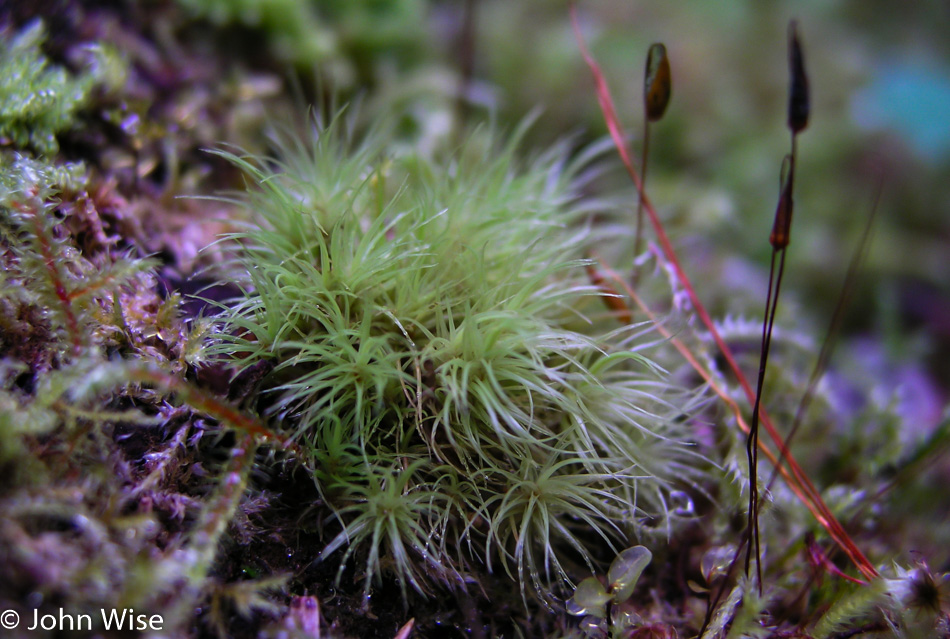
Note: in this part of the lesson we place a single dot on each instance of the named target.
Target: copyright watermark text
(107, 619)
(9, 619)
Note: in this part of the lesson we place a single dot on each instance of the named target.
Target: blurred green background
(880, 81)
(880, 84)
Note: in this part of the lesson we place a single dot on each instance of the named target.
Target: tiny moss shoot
(39, 100)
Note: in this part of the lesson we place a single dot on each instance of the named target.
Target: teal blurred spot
(913, 99)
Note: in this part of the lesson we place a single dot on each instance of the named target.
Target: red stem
(827, 520)
(211, 405)
(49, 260)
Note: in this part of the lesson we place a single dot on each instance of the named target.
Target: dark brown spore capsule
(657, 82)
(799, 104)
(781, 228)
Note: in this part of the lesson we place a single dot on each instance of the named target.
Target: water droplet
(683, 505)
(594, 627)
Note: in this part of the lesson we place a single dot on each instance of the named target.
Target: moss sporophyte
(463, 400)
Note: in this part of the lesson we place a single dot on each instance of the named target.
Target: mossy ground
(129, 482)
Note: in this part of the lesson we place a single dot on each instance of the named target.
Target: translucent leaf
(682, 504)
(589, 599)
(594, 626)
(623, 616)
(715, 562)
(625, 571)
(696, 588)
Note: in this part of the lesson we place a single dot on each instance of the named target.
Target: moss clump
(96, 457)
(292, 28)
(436, 348)
(38, 99)
(346, 39)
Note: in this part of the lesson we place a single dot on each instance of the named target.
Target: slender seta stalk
(657, 85)
(801, 485)
(798, 112)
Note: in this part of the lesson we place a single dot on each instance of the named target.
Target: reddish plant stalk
(824, 515)
(638, 233)
(45, 245)
(211, 405)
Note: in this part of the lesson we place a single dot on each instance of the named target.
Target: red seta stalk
(801, 481)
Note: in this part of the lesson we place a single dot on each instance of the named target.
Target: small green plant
(602, 606)
(909, 602)
(92, 351)
(437, 349)
(38, 99)
(293, 29)
(344, 38)
(46, 268)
